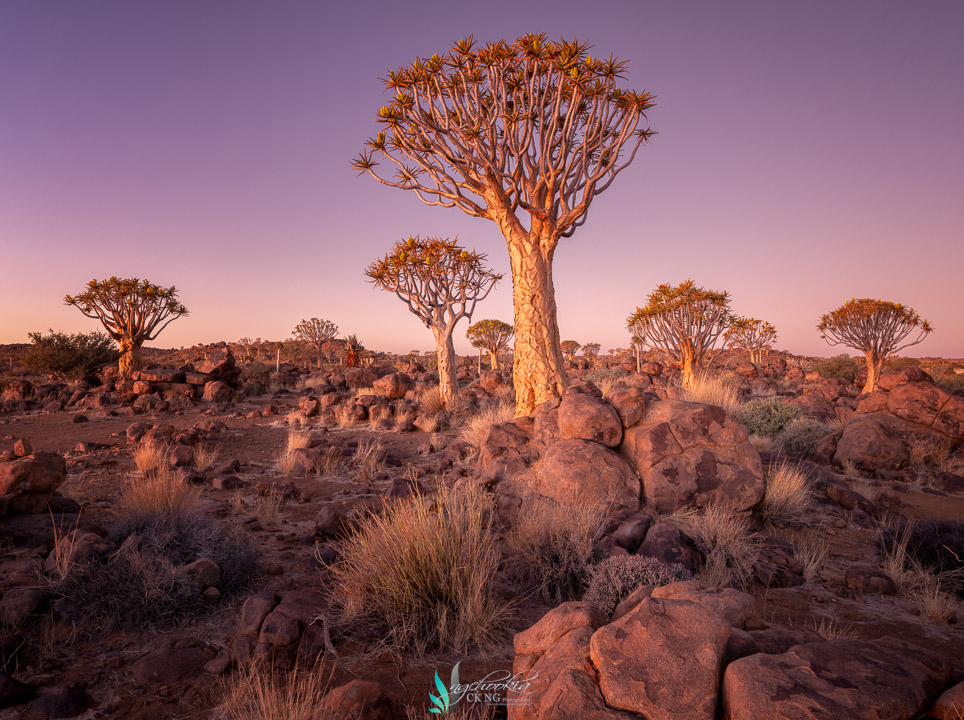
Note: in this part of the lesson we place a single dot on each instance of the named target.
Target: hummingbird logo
(444, 702)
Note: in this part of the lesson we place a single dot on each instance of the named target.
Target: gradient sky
(808, 152)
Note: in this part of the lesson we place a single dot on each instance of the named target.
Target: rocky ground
(282, 468)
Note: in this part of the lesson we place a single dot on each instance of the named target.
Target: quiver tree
(491, 335)
(877, 328)
(132, 312)
(569, 349)
(525, 134)
(590, 351)
(684, 321)
(441, 284)
(316, 333)
(754, 336)
(353, 351)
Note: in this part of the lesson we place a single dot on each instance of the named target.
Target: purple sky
(808, 152)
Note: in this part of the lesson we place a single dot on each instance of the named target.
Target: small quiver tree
(569, 349)
(441, 284)
(526, 134)
(315, 333)
(754, 336)
(878, 328)
(353, 351)
(491, 335)
(684, 321)
(591, 351)
(132, 312)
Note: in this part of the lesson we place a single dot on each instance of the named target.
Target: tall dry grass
(712, 390)
(722, 534)
(263, 693)
(158, 493)
(477, 425)
(788, 495)
(420, 574)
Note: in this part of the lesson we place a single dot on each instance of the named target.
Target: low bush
(616, 578)
(722, 535)
(420, 575)
(800, 437)
(70, 357)
(550, 547)
(767, 416)
(839, 366)
(139, 585)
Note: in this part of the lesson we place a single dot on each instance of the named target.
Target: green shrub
(800, 437)
(69, 357)
(138, 585)
(768, 416)
(616, 578)
(840, 366)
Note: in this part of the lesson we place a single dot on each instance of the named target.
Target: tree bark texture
(445, 347)
(130, 358)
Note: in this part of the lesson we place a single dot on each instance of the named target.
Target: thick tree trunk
(689, 366)
(445, 347)
(480, 361)
(538, 372)
(874, 365)
(493, 360)
(130, 358)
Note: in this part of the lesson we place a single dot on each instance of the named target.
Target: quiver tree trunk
(130, 357)
(445, 347)
(493, 360)
(688, 365)
(874, 365)
(538, 372)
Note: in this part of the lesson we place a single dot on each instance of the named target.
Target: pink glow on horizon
(807, 154)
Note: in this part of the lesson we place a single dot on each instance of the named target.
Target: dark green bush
(840, 366)
(767, 416)
(69, 357)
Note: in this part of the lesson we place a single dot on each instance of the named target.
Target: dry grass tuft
(712, 390)
(431, 401)
(206, 455)
(811, 553)
(267, 505)
(369, 455)
(850, 470)
(344, 419)
(477, 425)
(550, 546)
(722, 534)
(762, 443)
(148, 457)
(63, 550)
(420, 575)
(158, 493)
(261, 693)
(830, 629)
(297, 440)
(787, 494)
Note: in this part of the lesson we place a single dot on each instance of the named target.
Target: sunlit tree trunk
(688, 365)
(538, 372)
(445, 347)
(874, 365)
(493, 360)
(130, 358)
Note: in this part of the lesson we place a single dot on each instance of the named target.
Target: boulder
(871, 442)
(926, 404)
(584, 471)
(885, 679)
(950, 705)
(733, 606)
(220, 365)
(505, 451)
(20, 604)
(693, 454)
(217, 391)
(362, 699)
(169, 664)
(773, 640)
(869, 579)
(814, 404)
(62, 701)
(911, 374)
(491, 381)
(662, 660)
(31, 481)
(393, 386)
(666, 543)
(629, 403)
(632, 531)
(583, 416)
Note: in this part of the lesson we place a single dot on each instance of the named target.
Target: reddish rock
(505, 451)
(22, 448)
(911, 374)
(583, 416)
(773, 640)
(666, 543)
(950, 705)
(393, 386)
(814, 404)
(629, 403)
(885, 679)
(662, 660)
(732, 606)
(651, 368)
(631, 531)
(218, 391)
(20, 604)
(491, 381)
(31, 481)
(693, 454)
(169, 664)
(871, 442)
(584, 471)
(869, 579)
(360, 699)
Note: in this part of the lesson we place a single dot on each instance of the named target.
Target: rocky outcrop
(584, 471)
(27, 483)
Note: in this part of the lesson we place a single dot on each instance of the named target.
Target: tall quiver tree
(754, 336)
(878, 328)
(441, 283)
(684, 321)
(132, 312)
(492, 335)
(525, 134)
(316, 333)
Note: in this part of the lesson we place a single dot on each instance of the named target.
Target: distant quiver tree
(441, 284)
(315, 333)
(526, 134)
(878, 328)
(132, 312)
(754, 336)
(491, 335)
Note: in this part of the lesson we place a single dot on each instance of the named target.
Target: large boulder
(662, 660)
(506, 452)
(629, 402)
(582, 415)
(27, 483)
(393, 386)
(871, 442)
(885, 679)
(926, 404)
(587, 472)
(693, 454)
